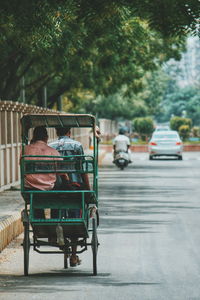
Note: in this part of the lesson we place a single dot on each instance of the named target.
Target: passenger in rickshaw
(44, 182)
(66, 146)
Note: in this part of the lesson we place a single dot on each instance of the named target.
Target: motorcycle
(121, 159)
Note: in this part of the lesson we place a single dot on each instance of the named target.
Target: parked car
(165, 143)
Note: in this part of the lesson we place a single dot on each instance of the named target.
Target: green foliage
(124, 104)
(143, 126)
(193, 107)
(185, 99)
(184, 131)
(154, 85)
(195, 131)
(170, 17)
(96, 46)
(177, 122)
(113, 106)
(176, 100)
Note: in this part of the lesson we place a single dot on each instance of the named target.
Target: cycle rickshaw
(44, 229)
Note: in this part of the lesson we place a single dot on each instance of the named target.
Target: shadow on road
(52, 283)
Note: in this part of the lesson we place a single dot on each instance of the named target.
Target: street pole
(59, 103)
(44, 98)
(23, 94)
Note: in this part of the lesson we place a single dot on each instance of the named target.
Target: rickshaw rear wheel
(94, 245)
(26, 246)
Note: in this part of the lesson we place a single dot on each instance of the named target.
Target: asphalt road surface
(149, 236)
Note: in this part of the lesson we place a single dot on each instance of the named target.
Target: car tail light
(178, 143)
(153, 144)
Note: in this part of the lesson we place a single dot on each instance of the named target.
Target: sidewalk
(11, 205)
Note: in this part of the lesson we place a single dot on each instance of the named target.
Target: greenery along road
(93, 52)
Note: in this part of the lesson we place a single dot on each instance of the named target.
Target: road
(149, 236)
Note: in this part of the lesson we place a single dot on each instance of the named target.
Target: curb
(10, 228)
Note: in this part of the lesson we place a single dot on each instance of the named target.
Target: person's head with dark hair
(39, 134)
(61, 131)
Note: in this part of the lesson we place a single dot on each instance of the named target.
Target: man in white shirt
(121, 143)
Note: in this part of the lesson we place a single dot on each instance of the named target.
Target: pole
(44, 98)
(23, 94)
(59, 103)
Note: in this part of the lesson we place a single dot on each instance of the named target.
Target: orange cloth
(42, 182)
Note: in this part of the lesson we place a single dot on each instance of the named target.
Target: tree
(184, 131)
(144, 127)
(89, 45)
(193, 108)
(177, 122)
(195, 131)
(168, 17)
(180, 100)
(153, 90)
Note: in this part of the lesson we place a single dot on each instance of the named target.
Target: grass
(139, 142)
(107, 142)
(191, 142)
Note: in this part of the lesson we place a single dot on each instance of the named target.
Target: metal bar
(58, 252)
(57, 191)
(31, 207)
(77, 221)
(83, 205)
(22, 174)
(78, 125)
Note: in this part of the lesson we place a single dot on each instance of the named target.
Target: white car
(165, 143)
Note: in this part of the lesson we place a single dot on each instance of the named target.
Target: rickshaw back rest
(32, 165)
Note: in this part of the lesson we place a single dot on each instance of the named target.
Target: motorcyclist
(121, 143)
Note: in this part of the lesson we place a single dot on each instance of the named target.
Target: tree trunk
(53, 98)
(13, 80)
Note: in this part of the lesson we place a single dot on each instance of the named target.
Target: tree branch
(38, 80)
(40, 87)
(27, 67)
(53, 98)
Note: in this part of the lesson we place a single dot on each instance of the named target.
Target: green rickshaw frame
(85, 200)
